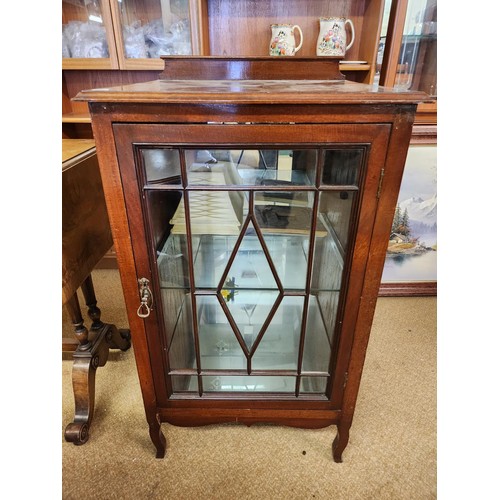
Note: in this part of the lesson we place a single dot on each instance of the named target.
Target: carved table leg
(90, 300)
(91, 353)
(84, 370)
(116, 338)
(340, 441)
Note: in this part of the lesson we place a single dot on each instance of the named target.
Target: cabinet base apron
(305, 419)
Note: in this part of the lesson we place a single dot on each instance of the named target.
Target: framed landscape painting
(411, 259)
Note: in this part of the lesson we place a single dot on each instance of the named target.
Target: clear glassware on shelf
(155, 28)
(83, 32)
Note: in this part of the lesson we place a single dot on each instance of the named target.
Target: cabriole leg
(340, 441)
(157, 436)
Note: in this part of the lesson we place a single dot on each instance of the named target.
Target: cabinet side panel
(394, 165)
(115, 202)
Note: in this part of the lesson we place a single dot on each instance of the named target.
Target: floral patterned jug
(283, 40)
(332, 36)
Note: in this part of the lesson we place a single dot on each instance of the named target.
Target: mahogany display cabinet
(251, 201)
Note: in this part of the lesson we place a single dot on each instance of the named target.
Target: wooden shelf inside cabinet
(76, 118)
(355, 67)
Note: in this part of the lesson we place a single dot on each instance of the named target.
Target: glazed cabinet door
(254, 241)
(148, 29)
(87, 35)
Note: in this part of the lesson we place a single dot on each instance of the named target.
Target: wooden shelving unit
(217, 27)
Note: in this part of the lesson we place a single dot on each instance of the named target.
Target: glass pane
(250, 268)
(176, 305)
(317, 345)
(327, 256)
(315, 385)
(285, 221)
(251, 167)
(383, 37)
(83, 30)
(216, 212)
(162, 164)
(219, 346)
(211, 255)
(341, 167)
(328, 303)
(334, 215)
(417, 67)
(279, 348)
(248, 383)
(215, 225)
(155, 28)
(184, 383)
(179, 328)
(166, 210)
(249, 310)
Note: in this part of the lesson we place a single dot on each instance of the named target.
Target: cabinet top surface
(250, 91)
(251, 80)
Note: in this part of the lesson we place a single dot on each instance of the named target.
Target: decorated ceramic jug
(332, 36)
(283, 40)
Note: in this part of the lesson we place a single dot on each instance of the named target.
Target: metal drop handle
(146, 298)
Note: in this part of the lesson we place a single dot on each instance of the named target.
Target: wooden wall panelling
(198, 13)
(370, 37)
(243, 27)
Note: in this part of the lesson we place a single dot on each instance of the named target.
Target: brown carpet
(391, 453)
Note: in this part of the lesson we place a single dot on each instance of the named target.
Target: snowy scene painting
(412, 248)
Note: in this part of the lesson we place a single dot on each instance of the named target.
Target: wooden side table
(86, 237)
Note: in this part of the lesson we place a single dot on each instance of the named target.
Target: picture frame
(411, 260)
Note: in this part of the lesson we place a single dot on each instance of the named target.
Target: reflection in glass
(170, 241)
(313, 385)
(249, 383)
(184, 383)
(417, 68)
(162, 164)
(382, 41)
(329, 252)
(251, 167)
(249, 310)
(179, 321)
(334, 214)
(211, 254)
(250, 268)
(83, 31)
(219, 347)
(279, 348)
(285, 221)
(317, 346)
(155, 28)
(341, 167)
(173, 271)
